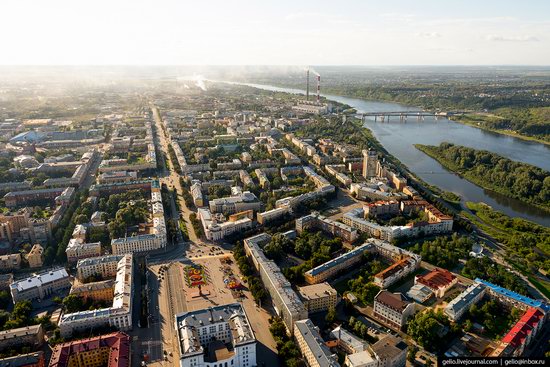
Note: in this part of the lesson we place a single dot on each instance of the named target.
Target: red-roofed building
(438, 280)
(111, 350)
(521, 334)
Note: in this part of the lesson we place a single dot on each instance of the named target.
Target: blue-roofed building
(28, 136)
(512, 298)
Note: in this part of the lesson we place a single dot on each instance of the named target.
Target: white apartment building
(76, 250)
(459, 305)
(392, 309)
(104, 266)
(40, 286)
(216, 229)
(119, 315)
(215, 328)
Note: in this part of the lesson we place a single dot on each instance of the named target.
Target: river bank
(499, 131)
(457, 118)
(470, 176)
(397, 138)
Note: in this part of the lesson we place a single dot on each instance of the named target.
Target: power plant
(312, 107)
(318, 85)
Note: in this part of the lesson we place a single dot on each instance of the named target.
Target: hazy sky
(282, 32)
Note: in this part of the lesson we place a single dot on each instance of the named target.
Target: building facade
(392, 309)
(318, 297)
(213, 329)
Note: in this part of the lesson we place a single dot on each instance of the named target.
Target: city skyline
(144, 32)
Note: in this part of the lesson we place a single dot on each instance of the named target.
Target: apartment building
(98, 291)
(77, 250)
(286, 302)
(10, 262)
(24, 336)
(40, 286)
(312, 346)
(225, 328)
(103, 266)
(35, 257)
(119, 315)
(461, 303)
(332, 267)
(392, 309)
(111, 350)
(318, 297)
(317, 221)
(271, 215)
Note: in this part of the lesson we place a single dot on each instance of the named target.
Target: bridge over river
(403, 115)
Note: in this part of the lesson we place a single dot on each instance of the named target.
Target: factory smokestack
(307, 85)
(318, 88)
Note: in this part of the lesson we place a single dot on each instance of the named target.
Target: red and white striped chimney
(318, 88)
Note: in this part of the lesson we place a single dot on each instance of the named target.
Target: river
(399, 139)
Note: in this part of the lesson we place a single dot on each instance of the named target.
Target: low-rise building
(348, 342)
(102, 266)
(461, 303)
(420, 293)
(35, 257)
(318, 297)
(98, 291)
(312, 346)
(236, 204)
(40, 286)
(512, 299)
(220, 335)
(10, 262)
(196, 194)
(392, 309)
(521, 334)
(271, 215)
(438, 280)
(77, 250)
(391, 351)
(381, 208)
(395, 272)
(216, 228)
(32, 336)
(35, 359)
(111, 350)
(317, 221)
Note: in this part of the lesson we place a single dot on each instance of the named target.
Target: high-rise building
(370, 161)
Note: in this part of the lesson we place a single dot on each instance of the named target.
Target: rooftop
(340, 259)
(464, 298)
(188, 324)
(118, 345)
(316, 344)
(437, 278)
(521, 330)
(389, 347)
(315, 291)
(515, 296)
(37, 280)
(395, 301)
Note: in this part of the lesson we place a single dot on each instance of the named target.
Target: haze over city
(274, 183)
(172, 32)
